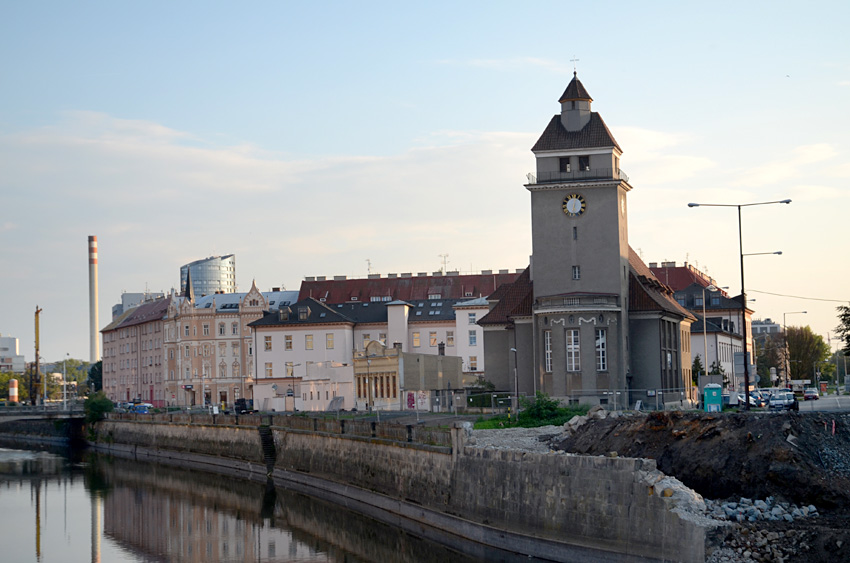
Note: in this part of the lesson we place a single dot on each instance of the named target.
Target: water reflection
(102, 508)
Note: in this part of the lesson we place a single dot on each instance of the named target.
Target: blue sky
(310, 137)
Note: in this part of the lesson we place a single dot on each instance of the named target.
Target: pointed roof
(575, 91)
(189, 293)
(593, 135)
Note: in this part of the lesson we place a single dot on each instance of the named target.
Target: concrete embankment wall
(555, 506)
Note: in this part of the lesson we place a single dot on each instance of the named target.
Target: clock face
(574, 205)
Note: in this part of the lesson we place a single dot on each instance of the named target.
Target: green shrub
(540, 411)
(96, 406)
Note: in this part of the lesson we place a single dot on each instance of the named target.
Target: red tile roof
(680, 277)
(516, 301)
(647, 293)
(406, 289)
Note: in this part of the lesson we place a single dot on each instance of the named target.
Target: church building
(587, 322)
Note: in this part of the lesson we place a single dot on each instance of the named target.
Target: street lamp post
(516, 387)
(65, 382)
(787, 351)
(743, 292)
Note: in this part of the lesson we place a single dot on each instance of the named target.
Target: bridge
(50, 412)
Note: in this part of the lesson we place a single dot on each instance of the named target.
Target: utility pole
(34, 385)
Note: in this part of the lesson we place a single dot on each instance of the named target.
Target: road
(828, 403)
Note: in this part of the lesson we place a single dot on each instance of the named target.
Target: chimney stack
(94, 341)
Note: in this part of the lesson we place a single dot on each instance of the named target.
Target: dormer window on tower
(584, 163)
(564, 164)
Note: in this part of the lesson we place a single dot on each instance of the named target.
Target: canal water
(63, 507)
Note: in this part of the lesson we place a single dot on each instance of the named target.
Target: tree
(770, 353)
(805, 350)
(96, 376)
(843, 329)
(96, 406)
(5, 377)
(697, 369)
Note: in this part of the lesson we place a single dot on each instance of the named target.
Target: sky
(339, 138)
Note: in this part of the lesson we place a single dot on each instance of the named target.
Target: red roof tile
(406, 289)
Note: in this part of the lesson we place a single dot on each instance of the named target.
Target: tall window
(547, 350)
(206, 329)
(308, 341)
(221, 329)
(473, 363)
(432, 338)
(573, 350)
(473, 338)
(564, 164)
(450, 338)
(576, 272)
(268, 369)
(287, 342)
(234, 328)
(601, 350)
(268, 343)
(186, 330)
(329, 341)
(584, 163)
(471, 317)
(416, 340)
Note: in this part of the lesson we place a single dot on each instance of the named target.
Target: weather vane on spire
(574, 60)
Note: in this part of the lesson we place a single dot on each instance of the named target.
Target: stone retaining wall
(556, 506)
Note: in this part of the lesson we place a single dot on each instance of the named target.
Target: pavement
(827, 403)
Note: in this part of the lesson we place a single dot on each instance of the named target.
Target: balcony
(578, 302)
(578, 176)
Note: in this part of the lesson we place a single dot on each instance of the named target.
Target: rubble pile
(747, 510)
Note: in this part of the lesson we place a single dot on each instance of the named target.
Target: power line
(798, 297)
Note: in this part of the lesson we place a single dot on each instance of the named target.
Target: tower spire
(189, 292)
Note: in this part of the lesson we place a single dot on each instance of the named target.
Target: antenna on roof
(445, 258)
(369, 266)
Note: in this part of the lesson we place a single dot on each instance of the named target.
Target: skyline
(307, 140)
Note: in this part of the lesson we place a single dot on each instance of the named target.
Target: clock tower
(580, 262)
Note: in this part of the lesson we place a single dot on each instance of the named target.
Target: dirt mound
(801, 458)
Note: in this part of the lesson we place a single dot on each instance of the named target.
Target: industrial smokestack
(94, 341)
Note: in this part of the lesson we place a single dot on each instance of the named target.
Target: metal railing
(634, 399)
(578, 175)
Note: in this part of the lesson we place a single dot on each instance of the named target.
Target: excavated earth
(797, 458)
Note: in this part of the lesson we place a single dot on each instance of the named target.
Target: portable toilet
(713, 397)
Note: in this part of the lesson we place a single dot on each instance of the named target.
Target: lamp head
(697, 205)
(785, 201)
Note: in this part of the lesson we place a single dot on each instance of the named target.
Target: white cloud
(791, 166)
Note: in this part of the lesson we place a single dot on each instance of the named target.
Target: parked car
(243, 406)
(753, 401)
(811, 394)
(760, 399)
(784, 400)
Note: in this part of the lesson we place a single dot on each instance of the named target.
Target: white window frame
(601, 349)
(573, 346)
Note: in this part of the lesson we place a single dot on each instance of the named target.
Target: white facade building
(10, 358)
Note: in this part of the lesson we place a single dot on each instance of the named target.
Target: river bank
(548, 505)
